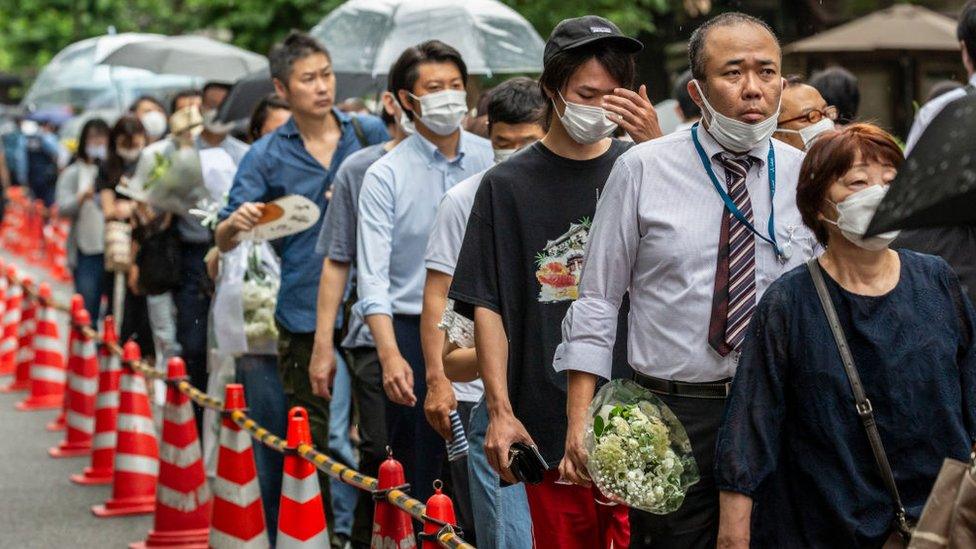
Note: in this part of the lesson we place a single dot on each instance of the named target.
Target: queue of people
(476, 277)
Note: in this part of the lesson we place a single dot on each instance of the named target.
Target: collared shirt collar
(758, 153)
(433, 154)
(290, 128)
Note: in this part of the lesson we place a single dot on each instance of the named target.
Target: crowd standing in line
(477, 275)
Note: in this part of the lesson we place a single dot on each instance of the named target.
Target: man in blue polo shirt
(300, 157)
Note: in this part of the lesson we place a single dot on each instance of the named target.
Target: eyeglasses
(814, 116)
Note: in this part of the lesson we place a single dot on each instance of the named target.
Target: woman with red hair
(795, 464)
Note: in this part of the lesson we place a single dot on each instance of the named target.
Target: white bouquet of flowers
(638, 452)
(259, 296)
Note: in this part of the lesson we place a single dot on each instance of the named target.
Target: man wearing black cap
(522, 257)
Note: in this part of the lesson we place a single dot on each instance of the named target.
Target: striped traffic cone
(238, 515)
(77, 304)
(11, 323)
(106, 412)
(183, 499)
(47, 372)
(25, 349)
(136, 450)
(440, 511)
(301, 515)
(82, 390)
(392, 526)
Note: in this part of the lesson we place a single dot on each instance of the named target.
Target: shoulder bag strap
(863, 405)
(357, 128)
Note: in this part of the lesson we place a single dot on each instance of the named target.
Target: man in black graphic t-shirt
(521, 261)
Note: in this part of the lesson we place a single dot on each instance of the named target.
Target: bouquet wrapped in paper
(259, 296)
(638, 452)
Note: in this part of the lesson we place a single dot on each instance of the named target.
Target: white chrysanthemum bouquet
(259, 296)
(638, 452)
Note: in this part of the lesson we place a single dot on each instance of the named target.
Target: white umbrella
(74, 76)
(367, 36)
(189, 56)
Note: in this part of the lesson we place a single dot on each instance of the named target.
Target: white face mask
(155, 124)
(129, 155)
(211, 125)
(585, 124)
(96, 152)
(735, 135)
(502, 155)
(854, 215)
(443, 111)
(407, 124)
(810, 133)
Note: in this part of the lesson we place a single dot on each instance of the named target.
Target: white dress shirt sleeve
(377, 207)
(590, 326)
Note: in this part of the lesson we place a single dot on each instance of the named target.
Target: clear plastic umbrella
(74, 77)
(189, 56)
(366, 36)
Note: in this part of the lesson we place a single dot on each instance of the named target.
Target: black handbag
(902, 527)
(158, 258)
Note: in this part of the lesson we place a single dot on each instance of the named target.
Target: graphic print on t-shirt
(560, 263)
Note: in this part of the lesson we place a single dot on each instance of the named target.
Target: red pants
(569, 517)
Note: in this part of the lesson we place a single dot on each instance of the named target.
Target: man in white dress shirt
(695, 225)
(966, 34)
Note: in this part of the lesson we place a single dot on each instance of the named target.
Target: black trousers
(695, 524)
(369, 404)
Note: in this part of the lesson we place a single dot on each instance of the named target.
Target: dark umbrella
(244, 95)
(936, 186)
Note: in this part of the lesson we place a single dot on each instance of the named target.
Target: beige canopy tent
(897, 54)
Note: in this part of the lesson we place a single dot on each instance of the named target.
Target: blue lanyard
(730, 205)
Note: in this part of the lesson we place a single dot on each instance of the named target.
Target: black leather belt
(711, 389)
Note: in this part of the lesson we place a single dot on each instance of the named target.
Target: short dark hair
(149, 98)
(183, 94)
(966, 29)
(689, 109)
(696, 44)
(516, 101)
(838, 86)
(297, 45)
(793, 80)
(211, 85)
(260, 114)
(93, 125)
(830, 157)
(405, 71)
(561, 67)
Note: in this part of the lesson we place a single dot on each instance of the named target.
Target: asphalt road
(39, 506)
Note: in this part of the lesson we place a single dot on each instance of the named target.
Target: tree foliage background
(33, 31)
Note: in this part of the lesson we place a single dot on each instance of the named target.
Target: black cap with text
(580, 31)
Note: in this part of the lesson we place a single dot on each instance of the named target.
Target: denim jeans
(89, 275)
(162, 321)
(344, 496)
(501, 515)
(266, 403)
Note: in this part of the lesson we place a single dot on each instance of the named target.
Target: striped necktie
(735, 275)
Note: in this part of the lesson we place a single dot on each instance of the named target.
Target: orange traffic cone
(392, 526)
(47, 372)
(25, 349)
(136, 452)
(77, 304)
(82, 390)
(11, 323)
(301, 515)
(183, 498)
(106, 412)
(440, 511)
(238, 515)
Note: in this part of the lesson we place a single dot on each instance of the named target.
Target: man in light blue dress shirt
(397, 208)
